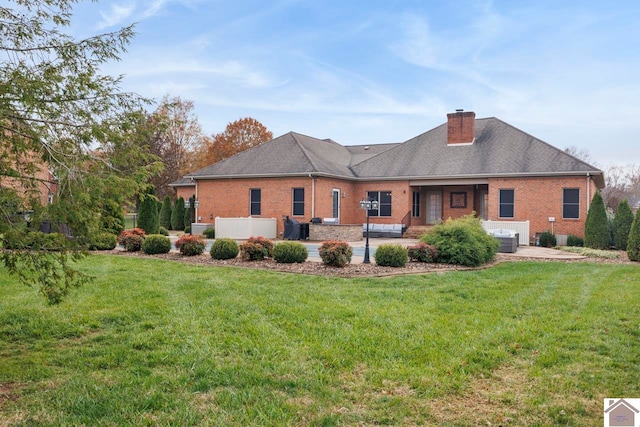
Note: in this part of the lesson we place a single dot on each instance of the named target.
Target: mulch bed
(350, 270)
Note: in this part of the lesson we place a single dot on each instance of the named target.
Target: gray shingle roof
(289, 154)
(499, 149)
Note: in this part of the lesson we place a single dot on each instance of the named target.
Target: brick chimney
(461, 127)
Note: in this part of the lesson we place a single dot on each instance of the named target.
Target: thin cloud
(116, 15)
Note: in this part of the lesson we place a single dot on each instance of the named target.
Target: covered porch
(433, 201)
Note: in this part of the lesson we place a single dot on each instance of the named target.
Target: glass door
(434, 207)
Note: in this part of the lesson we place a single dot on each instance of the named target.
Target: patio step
(415, 231)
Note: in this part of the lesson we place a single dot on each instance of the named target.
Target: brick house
(463, 166)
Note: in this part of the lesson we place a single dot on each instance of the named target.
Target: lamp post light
(368, 205)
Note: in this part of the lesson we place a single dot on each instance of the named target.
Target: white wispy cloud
(116, 15)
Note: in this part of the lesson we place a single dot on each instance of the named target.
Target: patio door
(335, 195)
(434, 207)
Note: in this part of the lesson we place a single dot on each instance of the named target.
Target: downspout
(313, 195)
(588, 191)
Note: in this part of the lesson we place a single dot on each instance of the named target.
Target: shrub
(177, 214)
(290, 252)
(633, 244)
(548, 240)
(335, 253)
(165, 213)
(209, 233)
(187, 229)
(148, 213)
(575, 241)
(256, 248)
(156, 244)
(190, 245)
(622, 225)
(103, 241)
(422, 252)
(34, 241)
(391, 255)
(462, 241)
(224, 249)
(163, 231)
(596, 229)
(132, 239)
(112, 216)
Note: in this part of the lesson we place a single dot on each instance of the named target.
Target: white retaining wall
(243, 228)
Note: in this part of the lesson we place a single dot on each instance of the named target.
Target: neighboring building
(465, 165)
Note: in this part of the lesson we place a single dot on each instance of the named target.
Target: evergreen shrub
(335, 253)
(103, 241)
(633, 245)
(596, 231)
(209, 233)
(156, 244)
(190, 245)
(462, 241)
(148, 218)
(391, 255)
(224, 249)
(256, 248)
(622, 225)
(177, 215)
(575, 241)
(290, 252)
(163, 231)
(548, 240)
(165, 213)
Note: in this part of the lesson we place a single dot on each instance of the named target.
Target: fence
(521, 227)
(243, 228)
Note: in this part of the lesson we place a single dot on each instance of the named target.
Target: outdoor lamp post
(368, 205)
(187, 204)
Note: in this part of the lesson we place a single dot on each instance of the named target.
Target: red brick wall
(537, 199)
(230, 198)
(448, 211)
(461, 127)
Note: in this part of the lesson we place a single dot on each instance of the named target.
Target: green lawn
(152, 342)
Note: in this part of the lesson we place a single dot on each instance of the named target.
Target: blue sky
(365, 72)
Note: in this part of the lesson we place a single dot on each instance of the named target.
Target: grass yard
(163, 343)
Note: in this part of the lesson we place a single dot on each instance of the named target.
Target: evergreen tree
(622, 225)
(148, 213)
(596, 233)
(112, 216)
(165, 213)
(190, 212)
(177, 215)
(633, 244)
